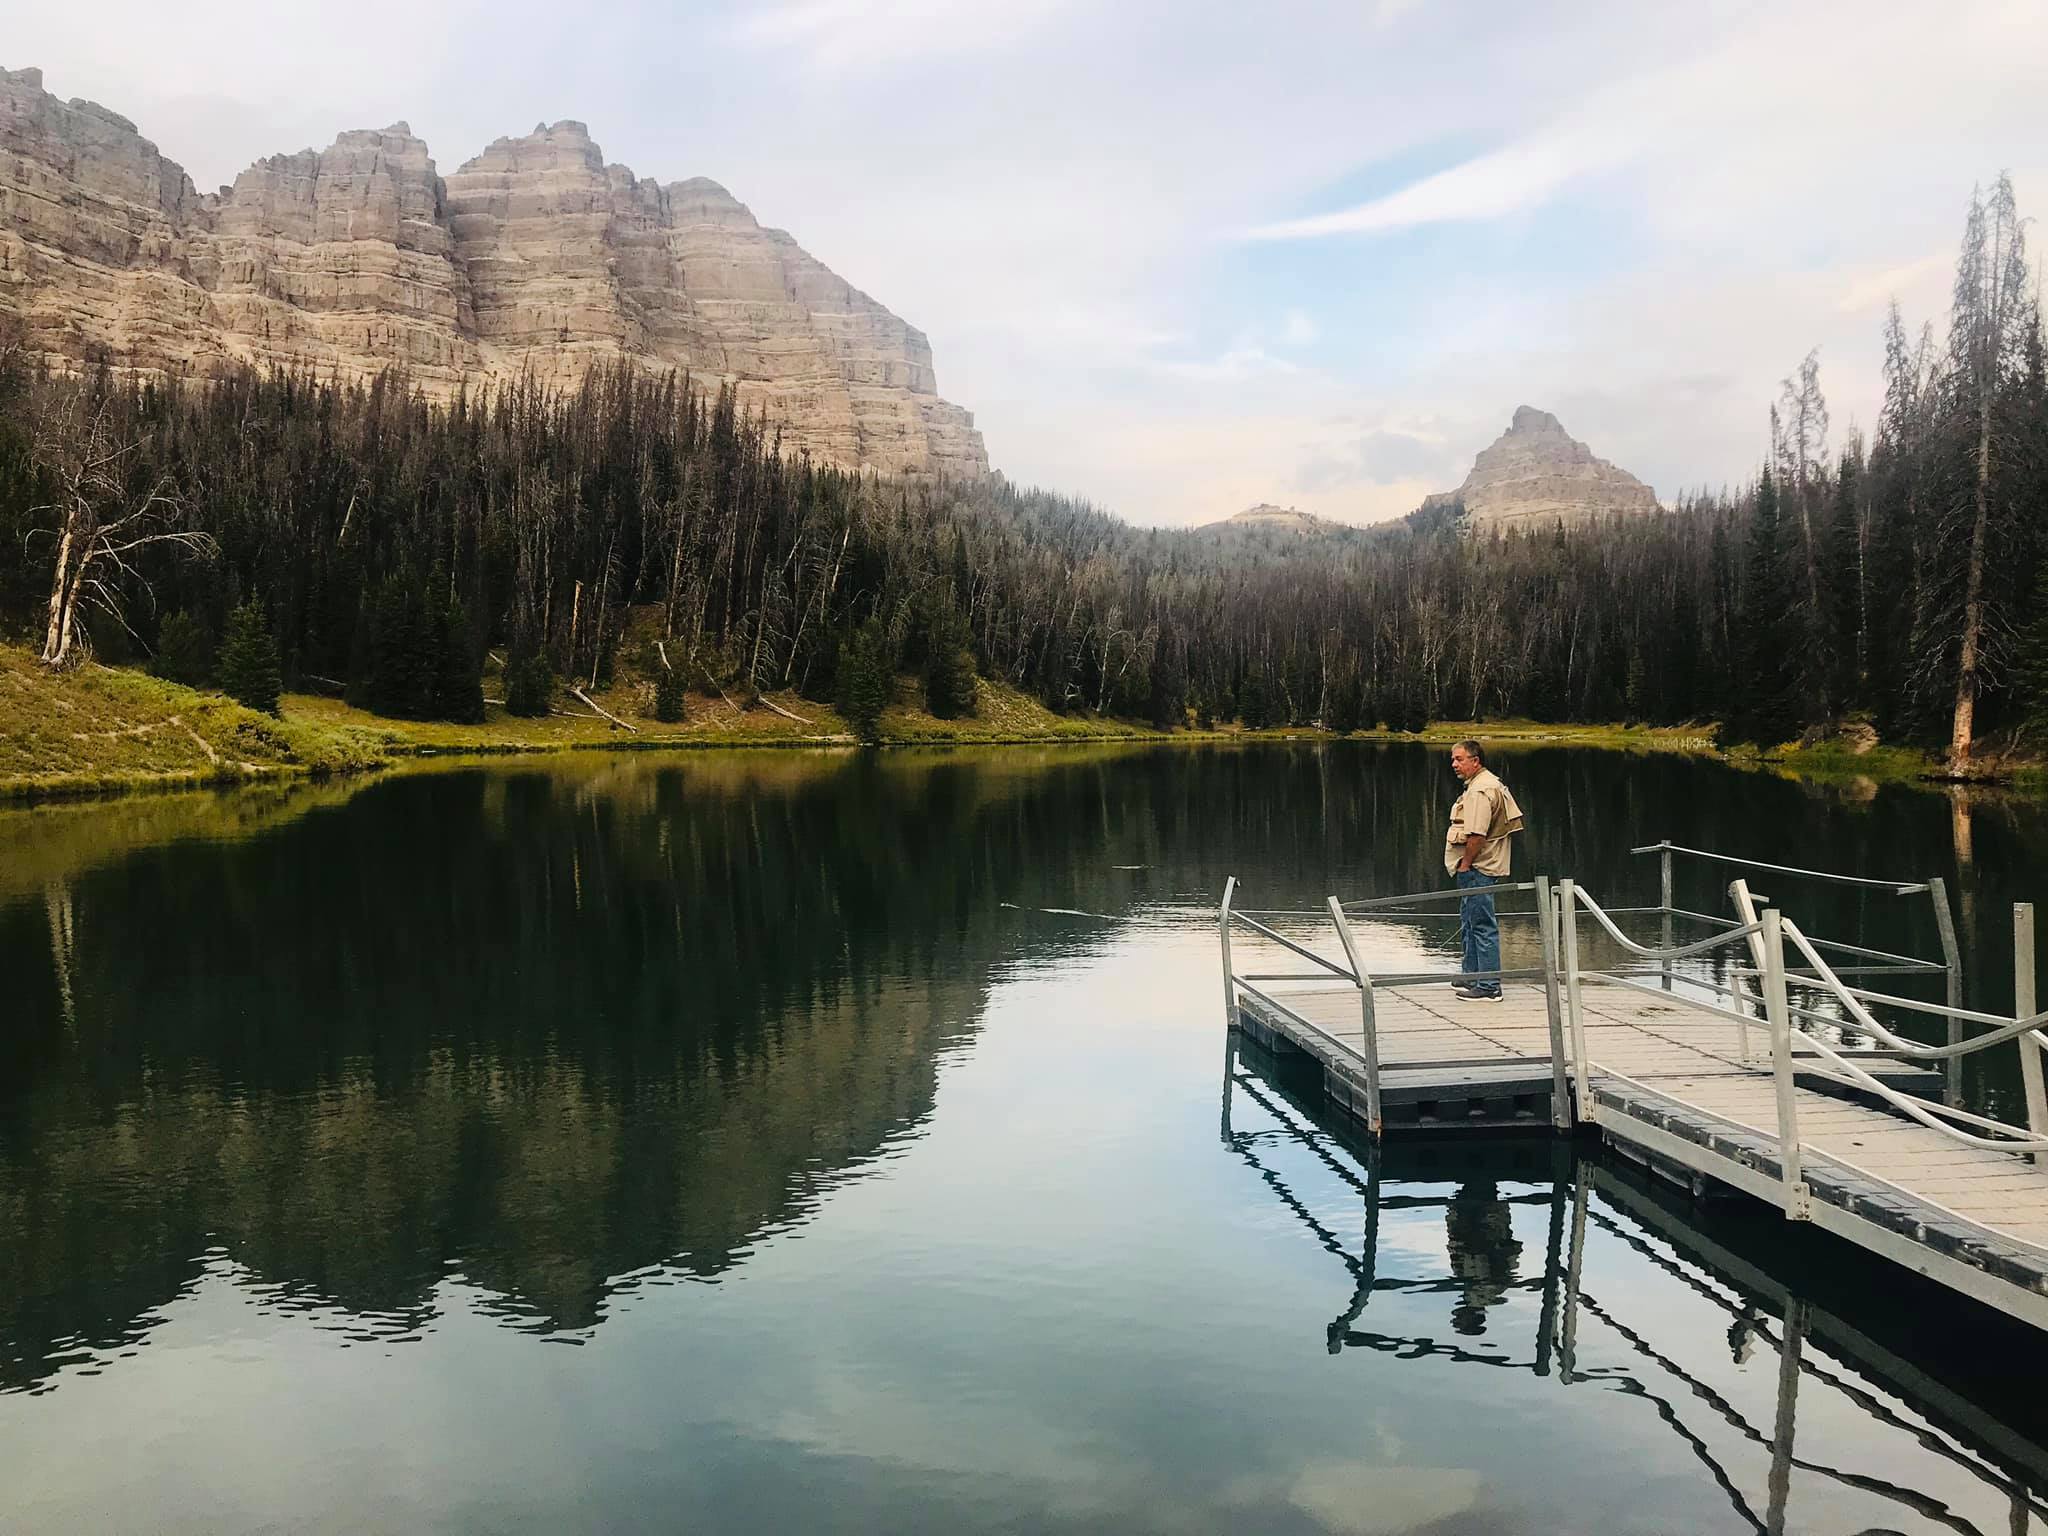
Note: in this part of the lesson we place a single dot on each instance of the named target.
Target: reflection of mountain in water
(550, 1026)
(544, 1027)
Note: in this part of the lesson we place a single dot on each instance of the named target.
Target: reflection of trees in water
(560, 1023)
(548, 1027)
(551, 1025)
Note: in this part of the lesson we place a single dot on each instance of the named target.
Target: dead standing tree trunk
(101, 527)
(1987, 337)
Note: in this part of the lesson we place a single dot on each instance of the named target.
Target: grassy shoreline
(98, 730)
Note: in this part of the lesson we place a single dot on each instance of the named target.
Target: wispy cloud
(1506, 181)
(1666, 112)
(1907, 281)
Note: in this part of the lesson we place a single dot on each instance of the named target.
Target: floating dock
(1740, 1063)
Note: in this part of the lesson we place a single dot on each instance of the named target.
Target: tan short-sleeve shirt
(1488, 809)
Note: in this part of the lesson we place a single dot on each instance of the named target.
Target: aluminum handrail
(1935, 1117)
(1913, 961)
(1826, 981)
(1896, 887)
(1695, 980)
(1416, 978)
(1415, 917)
(1856, 1168)
(1879, 954)
(1307, 1023)
(1307, 954)
(2014, 1140)
(1716, 918)
(1609, 978)
(1454, 893)
(1677, 953)
(1942, 1010)
(2011, 1029)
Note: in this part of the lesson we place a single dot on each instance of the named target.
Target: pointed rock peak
(1536, 474)
(32, 77)
(400, 129)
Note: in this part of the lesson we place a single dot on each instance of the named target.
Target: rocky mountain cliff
(1536, 474)
(536, 256)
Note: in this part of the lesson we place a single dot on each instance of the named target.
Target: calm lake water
(824, 1142)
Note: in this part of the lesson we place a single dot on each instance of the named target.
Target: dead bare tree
(1988, 330)
(100, 525)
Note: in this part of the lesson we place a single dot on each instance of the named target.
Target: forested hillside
(389, 544)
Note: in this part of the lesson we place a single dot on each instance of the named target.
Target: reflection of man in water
(1476, 856)
(1479, 1231)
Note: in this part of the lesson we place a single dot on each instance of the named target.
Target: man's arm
(1473, 844)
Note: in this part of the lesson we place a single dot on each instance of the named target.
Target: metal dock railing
(1745, 1060)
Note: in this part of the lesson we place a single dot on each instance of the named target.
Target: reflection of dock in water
(1826, 1337)
(1753, 1059)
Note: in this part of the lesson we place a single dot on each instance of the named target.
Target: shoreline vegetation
(95, 730)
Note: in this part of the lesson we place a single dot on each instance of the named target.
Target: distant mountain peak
(1267, 515)
(1536, 474)
(1529, 419)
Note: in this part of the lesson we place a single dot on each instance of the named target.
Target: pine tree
(2033, 661)
(184, 650)
(1764, 708)
(949, 675)
(529, 681)
(1166, 702)
(668, 696)
(1255, 702)
(865, 678)
(249, 669)
(1848, 567)
(458, 669)
(1347, 705)
(397, 653)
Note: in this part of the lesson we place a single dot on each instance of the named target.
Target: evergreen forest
(389, 544)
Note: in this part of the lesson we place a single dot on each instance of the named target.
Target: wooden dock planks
(1670, 1083)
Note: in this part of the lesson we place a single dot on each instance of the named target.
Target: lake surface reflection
(855, 1122)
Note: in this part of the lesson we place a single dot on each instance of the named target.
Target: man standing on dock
(1476, 856)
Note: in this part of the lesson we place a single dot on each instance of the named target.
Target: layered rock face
(535, 257)
(1536, 474)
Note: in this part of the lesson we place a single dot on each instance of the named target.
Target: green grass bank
(98, 730)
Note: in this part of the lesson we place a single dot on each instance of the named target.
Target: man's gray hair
(1473, 750)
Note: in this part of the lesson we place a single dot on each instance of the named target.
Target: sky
(1181, 257)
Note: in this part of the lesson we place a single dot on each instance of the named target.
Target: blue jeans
(1481, 927)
